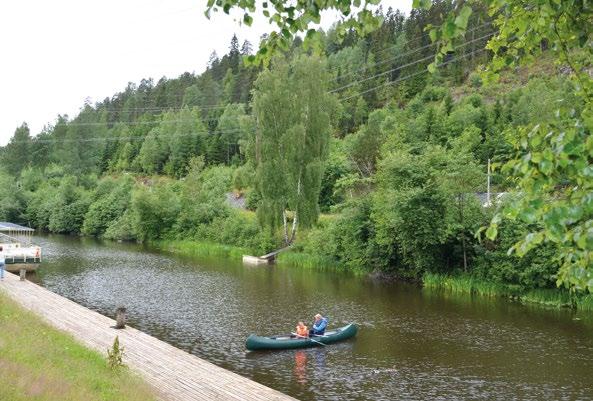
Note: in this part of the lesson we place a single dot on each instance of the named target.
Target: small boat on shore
(255, 343)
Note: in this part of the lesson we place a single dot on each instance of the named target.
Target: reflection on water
(412, 344)
(300, 367)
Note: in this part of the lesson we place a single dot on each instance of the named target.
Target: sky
(58, 54)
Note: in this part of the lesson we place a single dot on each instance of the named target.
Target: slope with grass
(40, 363)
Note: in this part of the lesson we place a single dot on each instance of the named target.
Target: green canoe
(254, 342)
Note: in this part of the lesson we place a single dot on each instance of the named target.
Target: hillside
(407, 152)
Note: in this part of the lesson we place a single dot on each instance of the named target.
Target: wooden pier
(174, 374)
(264, 259)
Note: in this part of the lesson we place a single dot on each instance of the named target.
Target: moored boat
(287, 341)
(17, 250)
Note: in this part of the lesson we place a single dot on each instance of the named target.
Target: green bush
(154, 211)
(536, 269)
(434, 93)
(67, 211)
(123, 228)
(110, 201)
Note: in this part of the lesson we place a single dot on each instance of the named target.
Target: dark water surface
(412, 344)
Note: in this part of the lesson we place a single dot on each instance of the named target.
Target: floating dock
(174, 374)
(17, 249)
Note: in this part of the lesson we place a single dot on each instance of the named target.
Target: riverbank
(467, 284)
(173, 374)
(42, 363)
(462, 284)
(209, 249)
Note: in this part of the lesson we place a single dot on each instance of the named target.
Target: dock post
(23, 274)
(120, 318)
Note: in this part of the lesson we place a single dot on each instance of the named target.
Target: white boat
(18, 251)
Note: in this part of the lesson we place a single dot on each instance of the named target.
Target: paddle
(318, 342)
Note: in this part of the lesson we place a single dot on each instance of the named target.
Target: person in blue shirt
(319, 326)
(2, 261)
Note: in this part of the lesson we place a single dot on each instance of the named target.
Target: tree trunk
(295, 220)
(464, 253)
(285, 227)
(461, 218)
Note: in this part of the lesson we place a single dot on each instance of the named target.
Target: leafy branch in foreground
(552, 167)
(297, 17)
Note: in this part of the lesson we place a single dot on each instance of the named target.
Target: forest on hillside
(382, 162)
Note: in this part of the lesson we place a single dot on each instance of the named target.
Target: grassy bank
(208, 249)
(40, 363)
(463, 283)
(201, 249)
(466, 284)
(305, 260)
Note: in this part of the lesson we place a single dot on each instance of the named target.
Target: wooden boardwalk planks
(175, 374)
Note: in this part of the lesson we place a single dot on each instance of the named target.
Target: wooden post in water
(23, 274)
(120, 318)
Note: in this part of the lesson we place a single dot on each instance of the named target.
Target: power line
(222, 106)
(164, 108)
(406, 65)
(404, 78)
(156, 122)
(92, 139)
(402, 55)
(412, 75)
(158, 109)
(134, 138)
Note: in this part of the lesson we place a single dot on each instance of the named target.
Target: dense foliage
(395, 158)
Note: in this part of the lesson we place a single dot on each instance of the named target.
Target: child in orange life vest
(301, 330)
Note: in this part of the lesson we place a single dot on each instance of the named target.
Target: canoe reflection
(300, 367)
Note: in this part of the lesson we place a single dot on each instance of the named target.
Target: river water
(413, 344)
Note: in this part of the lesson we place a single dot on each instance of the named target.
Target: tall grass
(202, 249)
(40, 363)
(305, 260)
(465, 283)
(208, 249)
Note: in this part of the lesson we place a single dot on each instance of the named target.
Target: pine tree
(16, 155)
(246, 48)
(228, 84)
(234, 54)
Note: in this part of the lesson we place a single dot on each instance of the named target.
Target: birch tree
(290, 145)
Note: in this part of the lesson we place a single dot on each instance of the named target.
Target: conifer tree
(16, 154)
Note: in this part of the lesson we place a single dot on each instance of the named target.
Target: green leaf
(433, 34)
(247, 19)
(432, 68)
(422, 4)
(463, 17)
(491, 232)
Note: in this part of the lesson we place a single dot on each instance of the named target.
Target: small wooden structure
(268, 258)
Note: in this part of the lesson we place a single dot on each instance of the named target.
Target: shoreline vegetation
(462, 283)
(393, 177)
(549, 297)
(42, 363)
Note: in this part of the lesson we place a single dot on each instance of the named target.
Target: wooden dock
(173, 373)
(264, 259)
